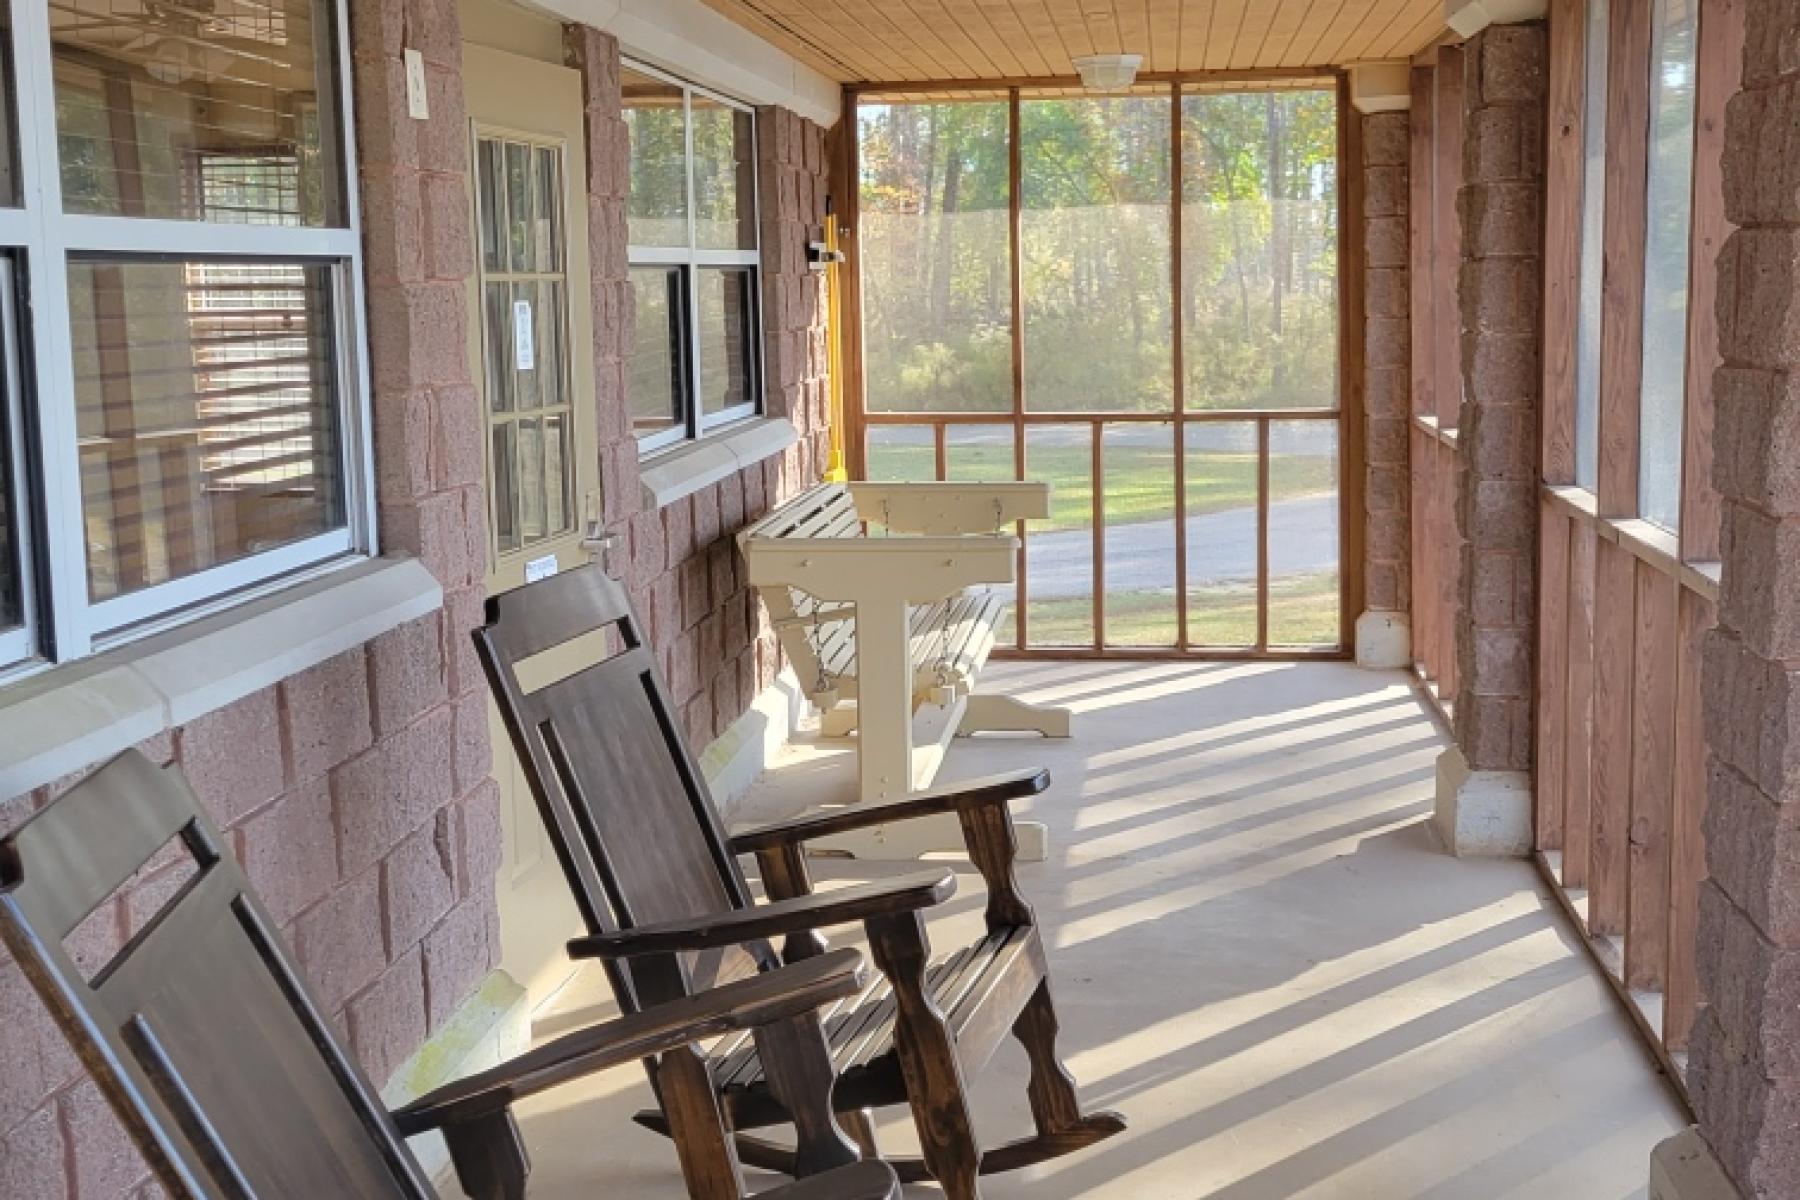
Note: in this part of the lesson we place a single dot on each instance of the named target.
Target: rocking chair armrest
(818, 910)
(760, 1000)
(955, 797)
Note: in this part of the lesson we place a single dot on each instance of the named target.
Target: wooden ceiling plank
(1100, 23)
(1035, 16)
(1424, 32)
(1004, 18)
(928, 54)
(1134, 27)
(1196, 24)
(1330, 27)
(952, 50)
(1164, 32)
(1071, 26)
(874, 43)
(1286, 21)
(1221, 34)
(879, 19)
(839, 66)
(1253, 31)
(975, 21)
(840, 34)
(1365, 44)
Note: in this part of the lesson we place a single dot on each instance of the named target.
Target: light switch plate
(418, 103)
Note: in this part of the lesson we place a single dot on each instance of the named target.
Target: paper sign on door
(524, 344)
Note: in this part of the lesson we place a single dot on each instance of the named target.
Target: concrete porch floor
(1260, 956)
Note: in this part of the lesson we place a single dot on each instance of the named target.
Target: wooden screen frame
(1624, 605)
(1347, 414)
(1435, 161)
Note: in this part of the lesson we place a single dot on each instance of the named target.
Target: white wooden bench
(871, 587)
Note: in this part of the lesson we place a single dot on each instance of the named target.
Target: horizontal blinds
(206, 411)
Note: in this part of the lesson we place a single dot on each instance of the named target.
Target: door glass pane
(198, 111)
(1060, 552)
(521, 209)
(498, 335)
(727, 339)
(901, 454)
(1666, 260)
(550, 211)
(655, 376)
(556, 473)
(1221, 533)
(656, 124)
(1138, 484)
(724, 177)
(552, 386)
(491, 195)
(532, 482)
(524, 323)
(207, 412)
(1259, 249)
(505, 499)
(937, 263)
(1303, 533)
(1095, 235)
(9, 114)
(1593, 221)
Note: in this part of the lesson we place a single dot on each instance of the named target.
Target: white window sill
(73, 716)
(669, 475)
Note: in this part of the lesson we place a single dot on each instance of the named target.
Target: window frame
(40, 234)
(16, 642)
(491, 418)
(690, 260)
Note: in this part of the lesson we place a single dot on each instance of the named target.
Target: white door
(531, 346)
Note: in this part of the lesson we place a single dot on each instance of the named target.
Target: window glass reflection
(200, 112)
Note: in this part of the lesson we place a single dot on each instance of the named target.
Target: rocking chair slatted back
(610, 768)
(236, 1089)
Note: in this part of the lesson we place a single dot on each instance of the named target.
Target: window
(524, 315)
(189, 244)
(692, 226)
(1671, 179)
(1592, 268)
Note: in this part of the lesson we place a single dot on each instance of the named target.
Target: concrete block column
(1744, 1060)
(1384, 631)
(1484, 779)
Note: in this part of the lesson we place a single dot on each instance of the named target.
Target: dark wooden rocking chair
(221, 1067)
(658, 884)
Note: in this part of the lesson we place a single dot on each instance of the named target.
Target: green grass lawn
(1303, 611)
(1139, 481)
(1140, 486)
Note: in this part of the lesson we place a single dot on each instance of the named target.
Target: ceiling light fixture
(1108, 72)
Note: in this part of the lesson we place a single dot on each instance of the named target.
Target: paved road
(1303, 539)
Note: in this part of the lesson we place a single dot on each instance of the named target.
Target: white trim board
(704, 47)
(71, 717)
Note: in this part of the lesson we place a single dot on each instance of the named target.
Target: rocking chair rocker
(657, 882)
